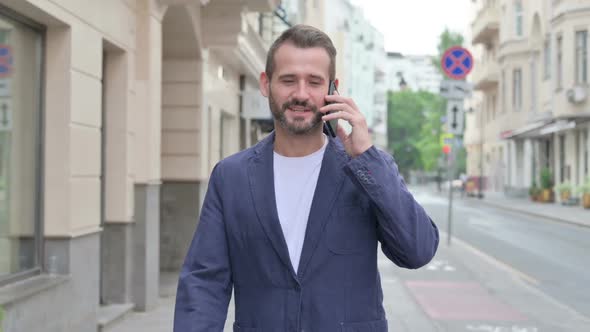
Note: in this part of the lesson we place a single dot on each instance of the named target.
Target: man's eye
(288, 81)
(315, 83)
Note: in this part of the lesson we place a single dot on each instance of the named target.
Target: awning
(557, 126)
(524, 131)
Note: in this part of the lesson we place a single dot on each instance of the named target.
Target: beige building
(532, 107)
(112, 114)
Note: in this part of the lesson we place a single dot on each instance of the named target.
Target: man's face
(297, 88)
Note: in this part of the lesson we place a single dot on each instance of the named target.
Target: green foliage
(563, 187)
(446, 40)
(1, 317)
(546, 178)
(585, 187)
(405, 119)
(534, 190)
(414, 129)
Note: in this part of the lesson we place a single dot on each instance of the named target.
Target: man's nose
(301, 93)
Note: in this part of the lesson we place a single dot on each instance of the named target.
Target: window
(562, 167)
(518, 17)
(559, 62)
(582, 56)
(547, 58)
(517, 90)
(20, 81)
(503, 91)
(586, 148)
(534, 83)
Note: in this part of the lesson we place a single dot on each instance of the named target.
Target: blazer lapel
(329, 182)
(261, 175)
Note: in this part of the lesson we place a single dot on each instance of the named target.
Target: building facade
(359, 60)
(533, 82)
(109, 130)
(414, 72)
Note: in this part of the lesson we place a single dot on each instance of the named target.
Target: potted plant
(546, 185)
(534, 192)
(565, 191)
(584, 190)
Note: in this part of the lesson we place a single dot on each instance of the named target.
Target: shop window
(20, 78)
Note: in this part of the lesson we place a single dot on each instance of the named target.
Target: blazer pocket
(238, 328)
(372, 326)
(351, 231)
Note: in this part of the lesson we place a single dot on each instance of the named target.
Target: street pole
(450, 167)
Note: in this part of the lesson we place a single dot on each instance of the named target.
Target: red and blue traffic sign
(457, 62)
(5, 60)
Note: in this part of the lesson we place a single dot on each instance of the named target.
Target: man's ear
(264, 84)
(336, 83)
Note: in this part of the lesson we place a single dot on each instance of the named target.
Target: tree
(414, 129)
(447, 39)
(405, 117)
(429, 142)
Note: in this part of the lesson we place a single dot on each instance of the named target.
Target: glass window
(518, 18)
(20, 68)
(559, 62)
(586, 145)
(517, 90)
(582, 56)
(547, 58)
(503, 91)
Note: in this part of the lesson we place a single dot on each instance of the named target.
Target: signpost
(455, 116)
(456, 63)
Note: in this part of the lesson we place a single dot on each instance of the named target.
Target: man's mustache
(300, 103)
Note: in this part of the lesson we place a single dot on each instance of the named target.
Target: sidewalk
(462, 289)
(575, 215)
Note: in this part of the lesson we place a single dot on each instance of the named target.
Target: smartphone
(330, 126)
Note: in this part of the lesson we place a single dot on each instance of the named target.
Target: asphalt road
(551, 256)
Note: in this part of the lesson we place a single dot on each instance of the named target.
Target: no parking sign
(5, 60)
(457, 62)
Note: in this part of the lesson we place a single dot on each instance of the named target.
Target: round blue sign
(457, 62)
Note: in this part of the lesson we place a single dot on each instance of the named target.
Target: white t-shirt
(295, 181)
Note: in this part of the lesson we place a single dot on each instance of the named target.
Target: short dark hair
(302, 36)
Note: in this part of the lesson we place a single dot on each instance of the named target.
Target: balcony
(486, 25)
(262, 5)
(485, 76)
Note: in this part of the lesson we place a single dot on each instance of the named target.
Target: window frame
(39, 260)
(518, 18)
(581, 76)
(517, 95)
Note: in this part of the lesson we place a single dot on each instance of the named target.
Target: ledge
(24, 289)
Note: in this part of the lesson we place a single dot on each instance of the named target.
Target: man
(293, 223)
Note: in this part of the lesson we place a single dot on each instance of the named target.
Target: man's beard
(296, 127)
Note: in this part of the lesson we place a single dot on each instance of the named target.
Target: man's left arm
(407, 234)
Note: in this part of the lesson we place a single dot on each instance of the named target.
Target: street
(552, 254)
(504, 272)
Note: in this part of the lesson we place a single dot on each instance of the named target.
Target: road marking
(496, 328)
(439, 264)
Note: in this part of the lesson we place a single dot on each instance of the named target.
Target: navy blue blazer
(239, 243)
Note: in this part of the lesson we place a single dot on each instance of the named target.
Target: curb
(538, 215)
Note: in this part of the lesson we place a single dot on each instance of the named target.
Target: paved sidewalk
(462, 289)
(555, 211)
